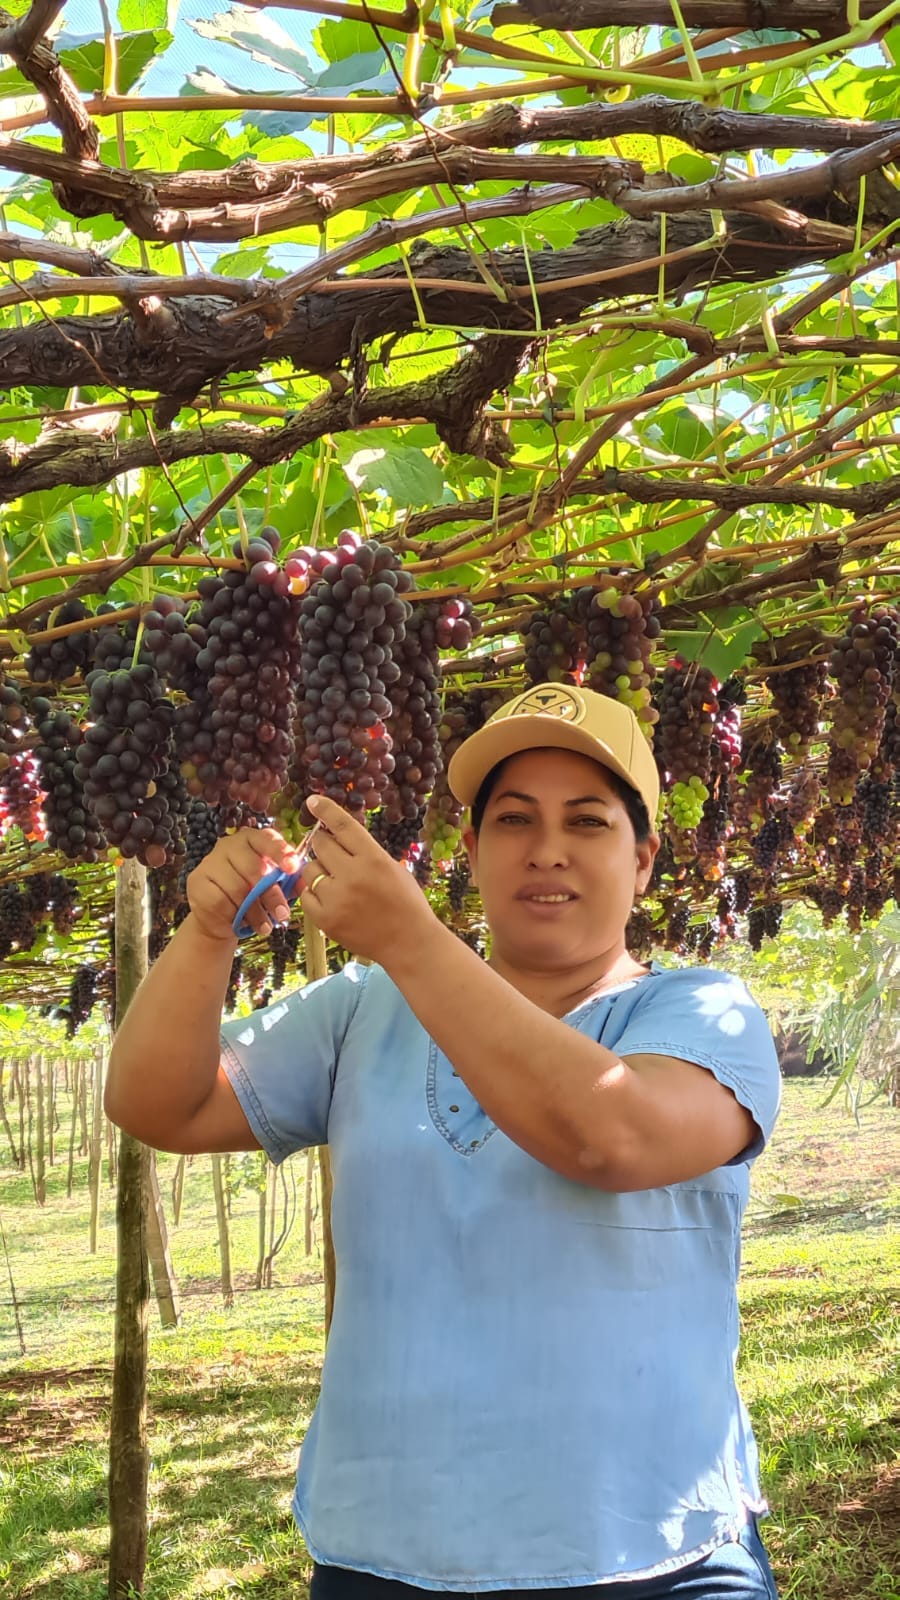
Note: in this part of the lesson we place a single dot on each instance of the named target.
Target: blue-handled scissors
(287, 882)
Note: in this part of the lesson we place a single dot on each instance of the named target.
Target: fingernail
(281, 914)
(265, 928)
(313, 803)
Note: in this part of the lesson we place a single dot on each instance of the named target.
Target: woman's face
(556, 861)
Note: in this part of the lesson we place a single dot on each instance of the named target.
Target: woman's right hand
(224, 878)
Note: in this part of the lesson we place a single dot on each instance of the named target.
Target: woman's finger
(340, 825)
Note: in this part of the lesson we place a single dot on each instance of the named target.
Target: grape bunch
(553, 648)
(412, 680)
(352, 622)
(18, 926)
(124, 764)
(876, 809)
(458, 884)
(441, 832)
(640, 935)
(856, 898)
(397, 838)
(887, 758)
(775, 835)
(13, 721)
(20, 791)
(71, 828)
(688, 708)
(71, 656)
(63, 905)
(116, 641)
(863, 665)
(21, 796)
(620, 632)
(82, 998)
(237, 660)
(165, 896)
(36, 890)
(797, 696)
(202, 835)
(678, 925)
(803, 798)
(757, 797)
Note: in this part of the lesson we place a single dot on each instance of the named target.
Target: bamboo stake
(178, 1190)
(70, 1172)
(224, 1240)
(51, 1110)
(40, 1157)
(165, 1283)
(17, 1155)
(96, 1150)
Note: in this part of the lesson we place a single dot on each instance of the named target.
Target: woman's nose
(548, 848)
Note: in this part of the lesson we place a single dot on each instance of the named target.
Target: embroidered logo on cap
(550, 700)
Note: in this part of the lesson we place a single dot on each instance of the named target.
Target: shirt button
(454, 1108)
(474, 1145)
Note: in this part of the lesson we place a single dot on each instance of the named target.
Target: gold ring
(317, 879)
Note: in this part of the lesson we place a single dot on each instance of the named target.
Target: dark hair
(638, 815)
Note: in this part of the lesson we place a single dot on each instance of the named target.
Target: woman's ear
(645, 854)
(470, 841)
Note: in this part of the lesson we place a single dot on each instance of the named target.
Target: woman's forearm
(165, 1055)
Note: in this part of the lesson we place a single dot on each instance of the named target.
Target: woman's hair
(638, 814)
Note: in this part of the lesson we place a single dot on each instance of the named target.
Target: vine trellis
(622, 322)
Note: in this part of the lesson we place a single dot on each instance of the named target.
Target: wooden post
(128, 1453)
(29, 1112)
(51, 1110)
(75, 1080)
(317, 967)
(308, 1202)
(96, 1148)
(17, 1086)
(84, 1147)
(164, 1281)
(222, 1225)
(178, 1190)
(261, 1213)
(18, 1156)
(40, 1149)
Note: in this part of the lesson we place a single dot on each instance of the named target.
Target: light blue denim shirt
(528, 1383)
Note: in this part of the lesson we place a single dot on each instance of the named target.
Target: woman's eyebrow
(530, 799)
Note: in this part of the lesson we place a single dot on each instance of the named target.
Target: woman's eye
(513, 816)
(592, 822)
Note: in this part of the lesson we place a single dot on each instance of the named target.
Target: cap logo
(550, 700)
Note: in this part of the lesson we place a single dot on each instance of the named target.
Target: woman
(540, 1165)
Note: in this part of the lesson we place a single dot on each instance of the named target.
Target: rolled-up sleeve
(281, 1061)
(711, 1019)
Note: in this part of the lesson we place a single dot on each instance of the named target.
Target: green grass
(231, 1392)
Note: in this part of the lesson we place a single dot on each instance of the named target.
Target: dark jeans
(733, 1572)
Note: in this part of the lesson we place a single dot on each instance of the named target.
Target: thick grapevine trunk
(128, 1453)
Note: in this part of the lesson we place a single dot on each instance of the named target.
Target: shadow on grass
(857, 1213)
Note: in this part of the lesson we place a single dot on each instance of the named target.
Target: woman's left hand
(355, 892)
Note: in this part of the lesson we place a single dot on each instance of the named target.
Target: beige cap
(565, 718)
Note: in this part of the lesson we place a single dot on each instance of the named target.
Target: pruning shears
(287, 882)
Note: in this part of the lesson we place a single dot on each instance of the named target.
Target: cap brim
(509, 736)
